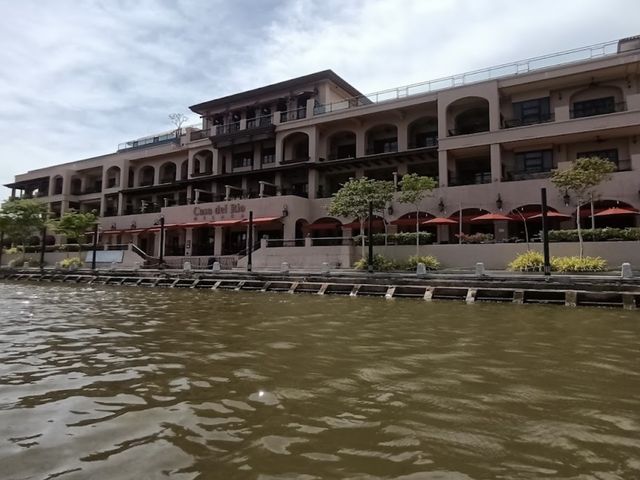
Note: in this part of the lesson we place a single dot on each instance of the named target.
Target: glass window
(535, 161)
(610, 154)
(597, 106)
(532, 111)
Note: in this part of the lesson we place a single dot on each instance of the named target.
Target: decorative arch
(147, 176)
(407, 222)
(596, 100)
(203, 162)
(58, 183)
(341, 144)
(617, 220)
(113, 176)
(423, 132)
(295, 147)
(381, 138)
(168, 172)
(468, 115)
(469, 227)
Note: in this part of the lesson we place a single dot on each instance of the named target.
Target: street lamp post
(250, 242)
(370, 237)
(545, 233)
(161, 256)
(43, 246)
(95, 246)
(1, 246)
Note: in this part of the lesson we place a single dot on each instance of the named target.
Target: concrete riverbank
(568, 290)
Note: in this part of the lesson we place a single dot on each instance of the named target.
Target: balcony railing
(469, 129)
(257, 122)
(601, 109)
(226, 128)
(295, 160)
(624, 165)
(515, 175)
(470, 179)
(513, 68)
(149, 141)
(524, 121)
(424, 142)
(389, 148)
(341, 156)
(297, 114)
(199, 134)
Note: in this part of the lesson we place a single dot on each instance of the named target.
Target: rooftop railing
(499, 71)
(150, 141)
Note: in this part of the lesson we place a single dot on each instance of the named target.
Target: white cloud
(82, 77)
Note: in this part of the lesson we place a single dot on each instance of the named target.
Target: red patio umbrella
(492, 217)
(552, 214)
(439, 221)
(616, 211)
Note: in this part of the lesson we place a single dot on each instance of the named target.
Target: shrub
(380, 263)
(20, 261)
(529, 261)
(429, 261)
(595, 235)
(532, 261)
(577, 264)
(476, 238)
(72, 262)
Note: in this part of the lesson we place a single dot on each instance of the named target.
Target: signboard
(234, 210)
(106, 256)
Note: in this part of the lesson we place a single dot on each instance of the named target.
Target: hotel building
(490, 137)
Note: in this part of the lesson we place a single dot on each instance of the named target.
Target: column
(188, 242)
(496, 162)
(278, 182)
(217, 241)
(313, 181)
(360, 143)
(443, 168)
(403, 141)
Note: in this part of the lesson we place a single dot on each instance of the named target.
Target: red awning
(261, 220)
(408, 222)
(616, 211)
(135, 230)
(195, 225)
(374, 224)
(492, 217)
(558, 215)
(224, 223)
(440, 221)
(323, 226)
(111, 232)
(167, 226)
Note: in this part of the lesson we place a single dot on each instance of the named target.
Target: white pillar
(496, 162)
(217, 241)
(443, 168)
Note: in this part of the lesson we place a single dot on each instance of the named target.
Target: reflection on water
(133, 383)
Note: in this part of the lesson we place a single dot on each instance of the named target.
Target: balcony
(425, 142)
(297, 114)
(470, 178)
(468, 129)
(256, 129)
(601, 106)
(529, 120)
(199, 134)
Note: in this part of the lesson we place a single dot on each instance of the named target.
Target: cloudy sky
(78, 77)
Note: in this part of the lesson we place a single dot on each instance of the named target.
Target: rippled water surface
(134, 383)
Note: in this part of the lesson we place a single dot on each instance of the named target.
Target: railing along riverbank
(592, 290)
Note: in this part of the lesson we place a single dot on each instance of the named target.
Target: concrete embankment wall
(51, 258)
(495, 256)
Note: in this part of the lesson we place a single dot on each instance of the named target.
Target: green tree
(414, 189)
(21, 219)
(352, 200)
(581, 179)
(74, 224)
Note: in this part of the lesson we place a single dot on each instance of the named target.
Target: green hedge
(383, 264)
(595, 235)
(533, 261)
(404, 238)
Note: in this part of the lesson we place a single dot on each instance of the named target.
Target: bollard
(421, 270)
(626, 270)
(325, 268)
(215, 267)
(284, 267)
(186, 266)
(479, 269)
(113, 266)
(25, 265)
(136, 266)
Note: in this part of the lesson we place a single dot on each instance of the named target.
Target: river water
(135, 383)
